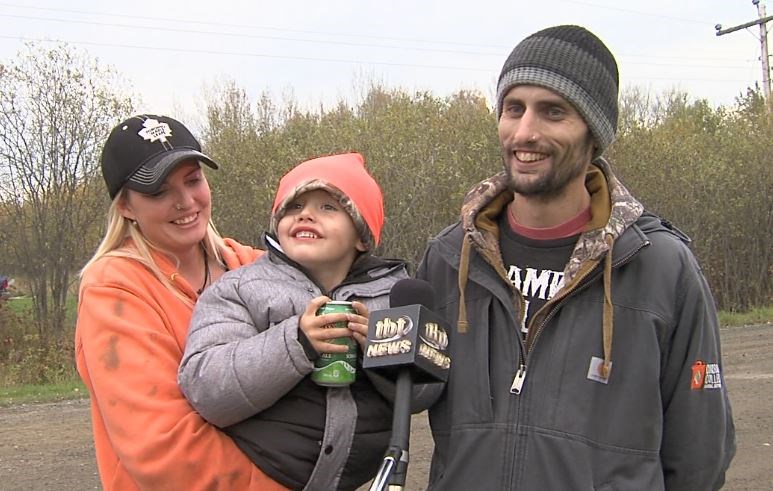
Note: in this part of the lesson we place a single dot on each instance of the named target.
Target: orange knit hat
(343, 176)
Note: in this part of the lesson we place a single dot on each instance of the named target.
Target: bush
(26, 357)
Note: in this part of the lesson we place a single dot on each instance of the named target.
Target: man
(584, 342)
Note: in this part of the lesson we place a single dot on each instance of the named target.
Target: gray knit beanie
(573, 62)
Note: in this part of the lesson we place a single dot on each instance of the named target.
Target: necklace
(206, 271)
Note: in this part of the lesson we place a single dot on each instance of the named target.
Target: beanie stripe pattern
(574, 63)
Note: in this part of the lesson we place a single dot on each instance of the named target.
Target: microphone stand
(391, 474)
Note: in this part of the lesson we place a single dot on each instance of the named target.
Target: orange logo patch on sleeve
(698, 375)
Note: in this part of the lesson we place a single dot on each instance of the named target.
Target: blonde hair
(120, 228)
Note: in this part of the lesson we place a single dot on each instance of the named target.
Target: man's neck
(572, 227)
(539, 212)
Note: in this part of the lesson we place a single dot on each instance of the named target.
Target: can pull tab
(520, 375)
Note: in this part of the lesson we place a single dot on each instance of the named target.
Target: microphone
(407, 343)
(408, 335)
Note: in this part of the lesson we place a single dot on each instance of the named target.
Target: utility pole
(762, 22)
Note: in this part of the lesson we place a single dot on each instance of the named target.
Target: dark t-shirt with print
(535, 267)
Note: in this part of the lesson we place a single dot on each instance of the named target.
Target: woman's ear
(125, 208)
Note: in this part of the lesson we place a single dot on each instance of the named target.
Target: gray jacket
(652, 426)
(243, 354)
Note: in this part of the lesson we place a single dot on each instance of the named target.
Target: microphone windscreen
(411, 291)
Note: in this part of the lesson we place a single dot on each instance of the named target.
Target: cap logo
(154, 131)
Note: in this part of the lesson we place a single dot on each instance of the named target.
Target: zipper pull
(520, 375)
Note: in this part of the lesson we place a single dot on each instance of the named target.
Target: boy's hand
(313, 326)
(358, 324)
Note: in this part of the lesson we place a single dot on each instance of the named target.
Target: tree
(424, 151)
(702, 168)
(56, 107)
(707, 170)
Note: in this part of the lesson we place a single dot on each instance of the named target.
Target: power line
(317, 41)
(251, 26)
(637, 12)
(241, 53)
(249, 36)
(676, 58)
(687, 65)
(324, 60)
(762, 22)
(330, 42)
(317, 59)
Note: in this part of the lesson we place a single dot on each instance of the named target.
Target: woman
(158, 254)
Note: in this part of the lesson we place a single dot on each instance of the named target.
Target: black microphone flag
(408, 335)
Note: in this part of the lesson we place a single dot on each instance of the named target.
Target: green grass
(26, 394)
(19, 305)
(23, 306)
(762, 315)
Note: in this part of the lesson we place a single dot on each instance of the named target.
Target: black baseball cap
(141, 151)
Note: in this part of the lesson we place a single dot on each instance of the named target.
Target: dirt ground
(48, 446)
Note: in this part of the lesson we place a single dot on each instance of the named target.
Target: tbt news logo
(410, 335)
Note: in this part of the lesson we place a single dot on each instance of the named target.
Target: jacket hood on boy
(613, 209)
(343, 176)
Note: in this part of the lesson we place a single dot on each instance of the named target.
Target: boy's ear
(360, 246)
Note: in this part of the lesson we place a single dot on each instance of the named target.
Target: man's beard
(554, 181)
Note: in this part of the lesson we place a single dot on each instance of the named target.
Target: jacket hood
(613, 209)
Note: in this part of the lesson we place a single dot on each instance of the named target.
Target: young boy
(254, 335)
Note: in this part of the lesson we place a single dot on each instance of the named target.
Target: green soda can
(336, 369)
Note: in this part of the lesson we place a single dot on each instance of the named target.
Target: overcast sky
(324, 50)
